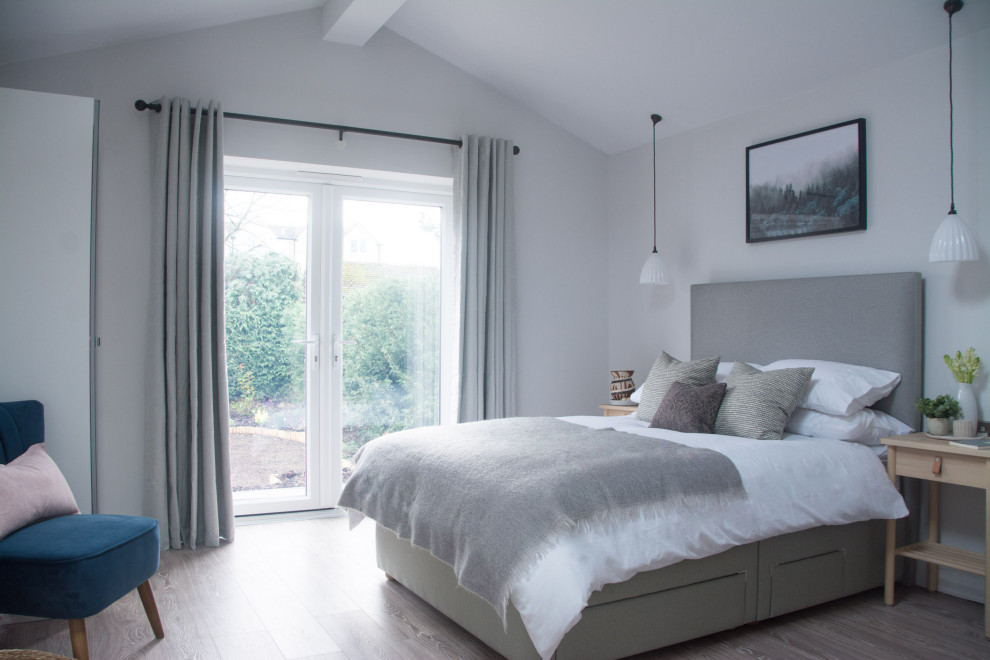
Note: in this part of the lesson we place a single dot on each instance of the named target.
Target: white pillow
(634, 397)
(841, 389)
(866, 426)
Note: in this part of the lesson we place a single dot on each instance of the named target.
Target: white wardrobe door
(46, 193)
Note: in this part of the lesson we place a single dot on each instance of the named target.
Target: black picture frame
(807, 184)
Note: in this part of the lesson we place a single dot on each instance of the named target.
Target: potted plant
(938, 413)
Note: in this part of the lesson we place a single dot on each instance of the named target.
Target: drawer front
(956, 469)
(806, 582)
(655, 620)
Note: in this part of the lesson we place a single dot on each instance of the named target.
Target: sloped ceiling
(597, 68)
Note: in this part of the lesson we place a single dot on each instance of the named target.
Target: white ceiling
(597, 68)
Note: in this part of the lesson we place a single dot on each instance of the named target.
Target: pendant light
(653, 271)
(952, 240)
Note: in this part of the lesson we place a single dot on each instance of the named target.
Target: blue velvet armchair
(74, 566)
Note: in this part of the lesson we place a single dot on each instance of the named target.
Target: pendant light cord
(950, 9)
(656, 120)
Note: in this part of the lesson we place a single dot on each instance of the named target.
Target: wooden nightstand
(936, 461)
(618, 409)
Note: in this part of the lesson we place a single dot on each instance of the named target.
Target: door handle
(313, 342)
(338, 348)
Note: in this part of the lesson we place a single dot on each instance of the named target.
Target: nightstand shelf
(936, 461)
(945, 555)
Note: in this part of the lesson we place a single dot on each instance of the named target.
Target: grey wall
(281, 67)
(701, 184)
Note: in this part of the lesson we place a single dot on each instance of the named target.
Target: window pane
(390, 301)
(265, 305)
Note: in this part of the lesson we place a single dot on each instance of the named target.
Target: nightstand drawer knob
(937, 465)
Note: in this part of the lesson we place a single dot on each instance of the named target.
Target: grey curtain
(486, 235)
(187, 452)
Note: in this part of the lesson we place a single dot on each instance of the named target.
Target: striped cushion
(665, 371)
(757, 404)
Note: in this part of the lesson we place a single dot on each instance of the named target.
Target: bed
(870, 320)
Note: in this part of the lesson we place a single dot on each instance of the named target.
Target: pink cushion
(32, 489)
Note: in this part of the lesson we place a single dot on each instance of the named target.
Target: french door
(334, 317)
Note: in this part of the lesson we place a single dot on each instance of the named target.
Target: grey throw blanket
(489, 497)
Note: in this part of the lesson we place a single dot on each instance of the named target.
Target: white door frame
(316, 495)
(325, 292)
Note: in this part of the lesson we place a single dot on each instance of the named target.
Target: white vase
(967, 399)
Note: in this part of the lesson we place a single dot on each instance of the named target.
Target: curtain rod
(157, 107)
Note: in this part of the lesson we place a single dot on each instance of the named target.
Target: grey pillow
(665, 371)
(757, 404)
(689, 409)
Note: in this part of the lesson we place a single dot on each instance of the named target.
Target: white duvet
(793, 484)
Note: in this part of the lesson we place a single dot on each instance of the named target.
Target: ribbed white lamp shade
(952, 241)
(653, 271)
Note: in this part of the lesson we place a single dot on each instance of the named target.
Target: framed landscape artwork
(807, 184)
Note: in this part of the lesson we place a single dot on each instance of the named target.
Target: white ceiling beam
(354, 22)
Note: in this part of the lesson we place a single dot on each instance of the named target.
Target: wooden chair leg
(77, 633)
(150, 608)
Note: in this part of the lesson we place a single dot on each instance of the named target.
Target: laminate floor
(310, 589)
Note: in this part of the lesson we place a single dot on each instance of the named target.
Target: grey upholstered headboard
(871, 320)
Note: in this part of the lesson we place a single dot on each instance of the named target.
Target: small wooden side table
(936, 461)
(618, 409)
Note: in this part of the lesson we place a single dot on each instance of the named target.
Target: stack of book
(972, 443)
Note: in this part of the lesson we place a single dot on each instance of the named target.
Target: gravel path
(261, 462)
